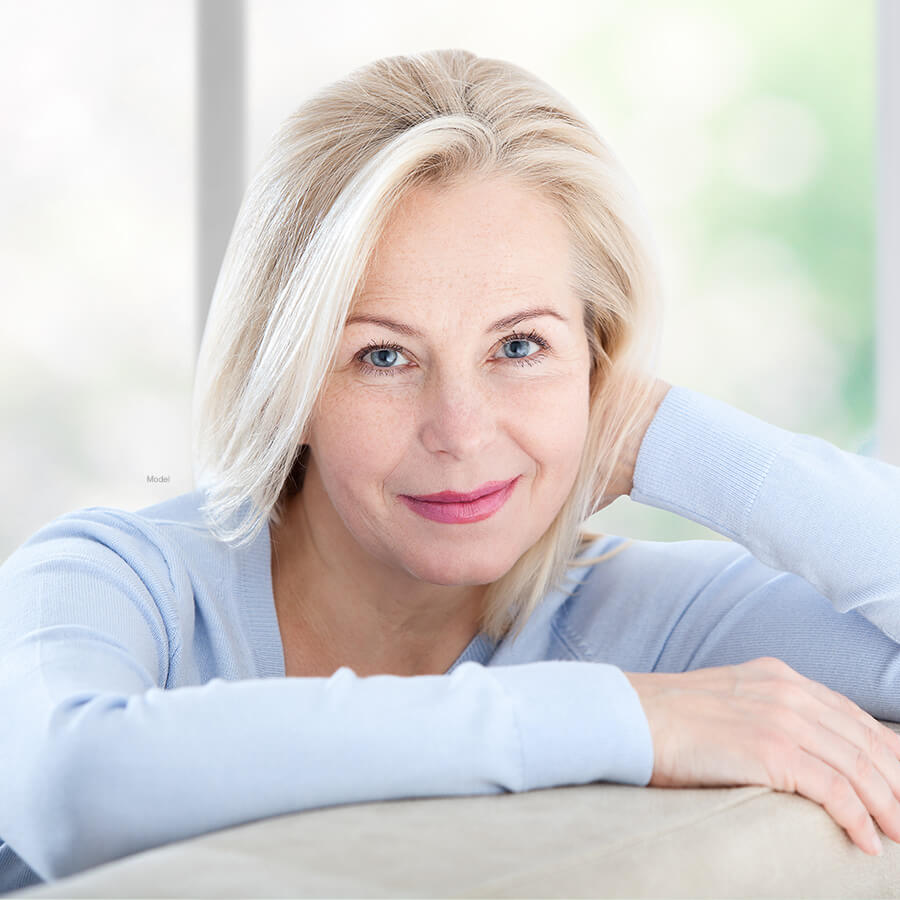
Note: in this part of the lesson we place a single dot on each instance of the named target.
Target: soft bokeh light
(748, 133)
(777, 146)
(96, 255)
(700, 61)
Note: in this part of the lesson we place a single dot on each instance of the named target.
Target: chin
(441, 568)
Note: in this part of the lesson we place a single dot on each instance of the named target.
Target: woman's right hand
(761, 722)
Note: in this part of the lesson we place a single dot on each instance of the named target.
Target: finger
(862, 759)
(873, 741)
(893, 738)
(818, 781)
(840, 735)
(867, 742)
(845, 704)
(853, 763)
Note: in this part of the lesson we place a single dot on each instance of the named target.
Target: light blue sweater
(142, 688)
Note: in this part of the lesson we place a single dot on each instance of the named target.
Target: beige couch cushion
(597, 840)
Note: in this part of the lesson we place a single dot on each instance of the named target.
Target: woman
(440, 283)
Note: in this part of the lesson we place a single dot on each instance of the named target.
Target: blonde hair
(305, 232)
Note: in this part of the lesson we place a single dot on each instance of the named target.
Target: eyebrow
(499, 325)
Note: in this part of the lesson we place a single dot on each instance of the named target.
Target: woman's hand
(623, 475)
(763, 723)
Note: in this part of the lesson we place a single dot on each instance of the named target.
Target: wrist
(656, 398)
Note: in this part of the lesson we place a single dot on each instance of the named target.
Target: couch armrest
(597, 840)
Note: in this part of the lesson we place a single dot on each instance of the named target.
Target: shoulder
(157, 557)
(162, 537)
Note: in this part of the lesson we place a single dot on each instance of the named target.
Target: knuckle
(880, 753)
(839, 791)
(874, 745)
(791, 692)
(846, 703)
(863, 767)
(772, 664)
(786, 670)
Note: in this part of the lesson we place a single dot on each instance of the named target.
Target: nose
(458, 415)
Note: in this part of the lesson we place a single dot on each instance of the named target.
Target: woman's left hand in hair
(622, 480)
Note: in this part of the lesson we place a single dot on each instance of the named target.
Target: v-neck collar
(256, 602)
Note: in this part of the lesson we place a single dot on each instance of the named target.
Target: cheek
(557, 418)
(560, 426)
(360, 432)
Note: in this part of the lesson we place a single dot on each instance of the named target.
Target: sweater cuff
(579, 722)
(706, 460)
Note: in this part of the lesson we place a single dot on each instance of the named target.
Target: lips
(489, 487)
(466, 512)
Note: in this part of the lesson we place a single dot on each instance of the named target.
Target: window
(751, 137)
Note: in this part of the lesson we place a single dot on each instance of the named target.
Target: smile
(464, 512)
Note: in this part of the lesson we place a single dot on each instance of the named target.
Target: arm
(796, 502)
(99, 761)
(813, 575)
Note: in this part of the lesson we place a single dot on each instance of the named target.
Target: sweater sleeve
(100, 760)
(816, 578)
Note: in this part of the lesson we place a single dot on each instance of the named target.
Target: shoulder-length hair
(305, 232)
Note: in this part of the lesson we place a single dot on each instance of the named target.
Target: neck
(345, 609)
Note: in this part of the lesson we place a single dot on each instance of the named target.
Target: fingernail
(876, 845)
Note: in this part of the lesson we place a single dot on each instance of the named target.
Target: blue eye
(390, 351)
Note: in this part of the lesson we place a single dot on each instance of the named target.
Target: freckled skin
(361, 579)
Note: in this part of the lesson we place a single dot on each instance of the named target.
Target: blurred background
(749, 127)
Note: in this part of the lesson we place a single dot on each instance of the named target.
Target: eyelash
(387, 345)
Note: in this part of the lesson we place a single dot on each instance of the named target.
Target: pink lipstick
(451, 507)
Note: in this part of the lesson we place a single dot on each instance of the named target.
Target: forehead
(488, 235)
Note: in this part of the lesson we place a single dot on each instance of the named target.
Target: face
(459, 402)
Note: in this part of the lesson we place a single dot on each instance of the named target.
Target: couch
(596, 840)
